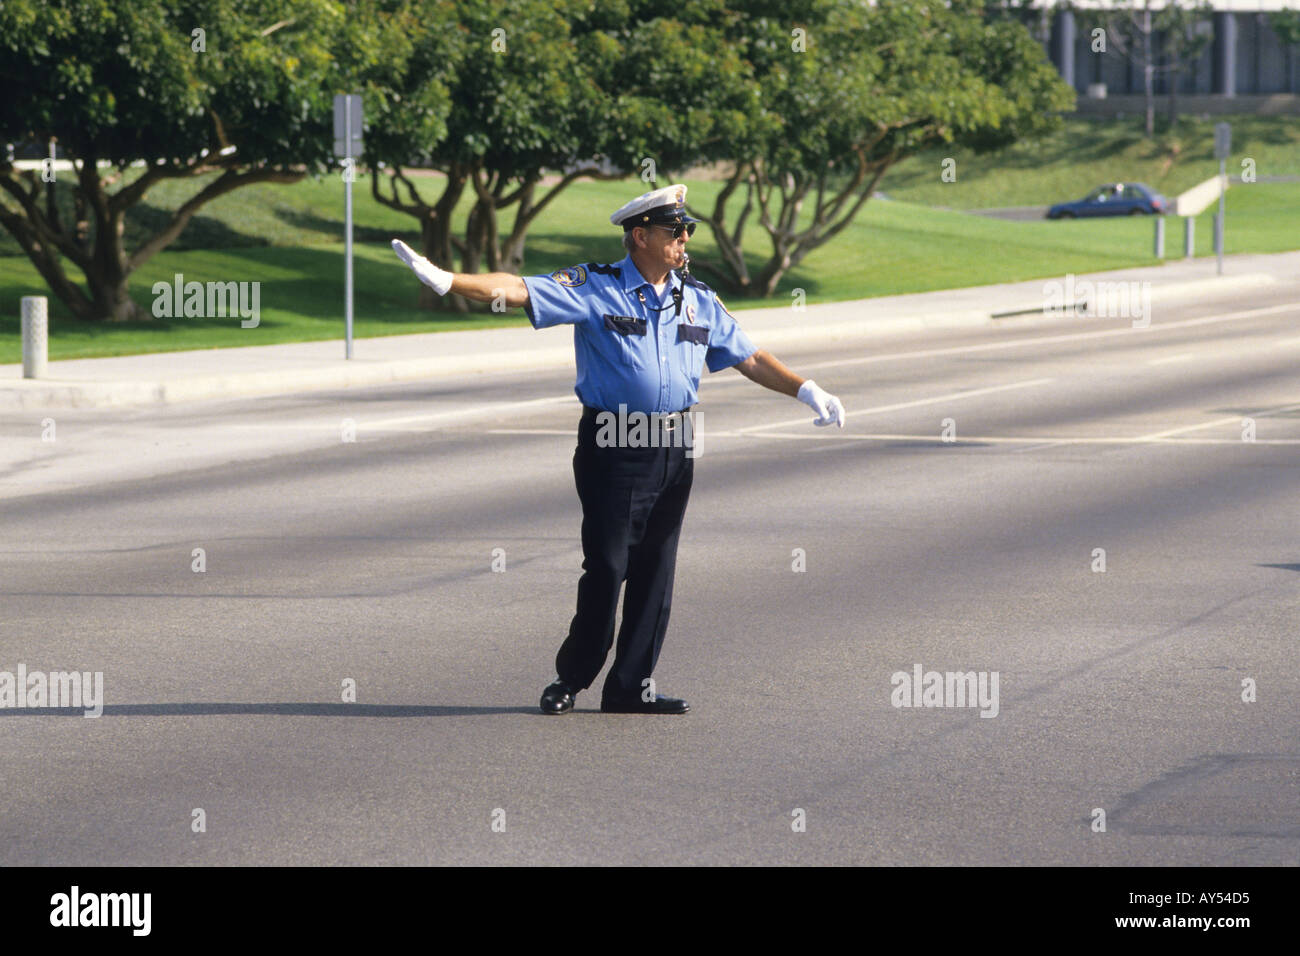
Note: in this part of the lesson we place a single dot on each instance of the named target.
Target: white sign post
(1222, 147)
(1192, 203)
(347, 145)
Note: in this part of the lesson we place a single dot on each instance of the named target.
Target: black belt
(666, 420)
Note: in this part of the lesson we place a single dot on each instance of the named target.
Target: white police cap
(662, 207)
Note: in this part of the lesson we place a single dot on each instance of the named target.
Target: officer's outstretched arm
(486, 287)
(489, 286)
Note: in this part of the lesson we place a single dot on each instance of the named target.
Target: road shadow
(1280, 567)
(273, 709)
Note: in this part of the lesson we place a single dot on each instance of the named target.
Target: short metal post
(36, 336)
(1189, 237)
(1160, 237)
(1218, 221)
(1218, 237)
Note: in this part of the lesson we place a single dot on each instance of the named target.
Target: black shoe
(558, 698)
(660, 705)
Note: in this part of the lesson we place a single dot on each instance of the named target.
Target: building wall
(1259, 64)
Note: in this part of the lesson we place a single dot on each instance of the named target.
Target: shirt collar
(632, 277)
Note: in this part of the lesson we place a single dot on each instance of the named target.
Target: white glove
(828, 408)
(439, 280)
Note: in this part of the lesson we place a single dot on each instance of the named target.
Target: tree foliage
(545, 93)
(861, 88)
(219, 92)
(805, 102)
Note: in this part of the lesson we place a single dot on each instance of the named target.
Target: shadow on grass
(202, 232)
(332, 229)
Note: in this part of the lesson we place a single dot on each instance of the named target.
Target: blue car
(1113, 199)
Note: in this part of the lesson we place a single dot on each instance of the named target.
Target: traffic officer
(644, 328)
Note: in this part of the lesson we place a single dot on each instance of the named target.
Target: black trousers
(633, 501)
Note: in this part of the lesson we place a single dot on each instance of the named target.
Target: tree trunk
(765, 285)
(734, 276)
(1148, 74)
(435, 236)
(512, 251)
(108, 275)
(111, 295)
(475, 233)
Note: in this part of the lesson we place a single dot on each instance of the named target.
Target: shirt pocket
(693, 345)
(626, 336)
(695, 334)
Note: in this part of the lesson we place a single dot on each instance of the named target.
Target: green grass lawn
(289, 239)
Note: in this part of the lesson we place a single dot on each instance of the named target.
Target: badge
(572, 277)
(690, 314)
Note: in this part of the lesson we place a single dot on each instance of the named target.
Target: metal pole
(1218, 221)
(1189, 237)
(1160, 237)
(36, 335)
(347, 216)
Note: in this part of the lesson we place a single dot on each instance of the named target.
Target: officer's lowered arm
(767, 370)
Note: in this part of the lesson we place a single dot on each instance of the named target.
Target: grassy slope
(1087, 153)
(288, 238)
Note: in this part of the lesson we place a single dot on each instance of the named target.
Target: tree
(521, 101)
(214, 91)
(1187, 32)
(1286, 24)
(849, 90)
(1133, 30)
(546, 93)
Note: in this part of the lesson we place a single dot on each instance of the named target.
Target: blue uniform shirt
(628, 354)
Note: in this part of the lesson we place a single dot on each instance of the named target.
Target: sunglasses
(679, 228)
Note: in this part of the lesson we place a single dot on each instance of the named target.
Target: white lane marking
(1231, 419)
(1222, 354)
(951, 396)
(833, 433)
(1040, 340)
(566, 432)
(478, 410)
(1028, 448)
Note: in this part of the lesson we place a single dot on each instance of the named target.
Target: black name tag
(693, 333)
(625, 324)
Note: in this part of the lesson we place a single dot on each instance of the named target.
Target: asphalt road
(371, 561)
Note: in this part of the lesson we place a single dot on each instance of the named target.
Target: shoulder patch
(724, 307)
(573, 276)
(598, 269)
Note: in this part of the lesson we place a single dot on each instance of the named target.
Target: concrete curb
(359, 373)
